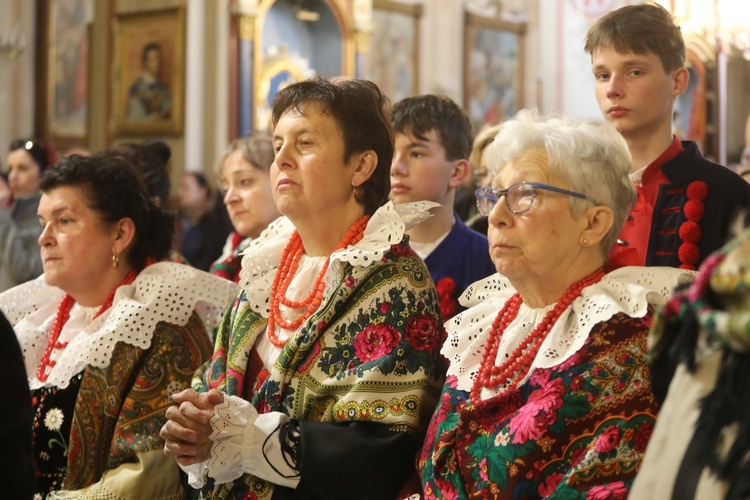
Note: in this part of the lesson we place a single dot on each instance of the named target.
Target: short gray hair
(593, 158)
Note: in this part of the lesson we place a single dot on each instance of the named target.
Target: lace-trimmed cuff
(233, 424)
(245, 442)
(196, 474)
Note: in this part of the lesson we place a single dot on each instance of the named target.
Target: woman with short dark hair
(326, 366)
(108, 333)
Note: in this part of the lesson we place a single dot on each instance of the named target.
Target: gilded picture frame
(394, 48)
(66, 77)
(493, 69)
(149, 72)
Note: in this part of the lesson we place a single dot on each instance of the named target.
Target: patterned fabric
(120, 410)
(53, 414)
(726, 324)
(629, 290)
(576, 430)
(127, 362)
(105, 417)
(162, 292)
(229, 266)
(369, 353)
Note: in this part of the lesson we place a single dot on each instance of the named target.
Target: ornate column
(363, 26)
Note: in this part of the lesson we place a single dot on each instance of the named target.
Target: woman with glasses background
(548, 391)
(20, 259)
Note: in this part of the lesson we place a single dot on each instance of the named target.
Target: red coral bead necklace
(518, 364)
(63, 314)
(288, 263)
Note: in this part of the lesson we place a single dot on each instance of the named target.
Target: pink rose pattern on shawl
(375, 341)
(569, 432)
(539, 412)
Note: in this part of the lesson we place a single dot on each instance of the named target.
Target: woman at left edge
(108, 334)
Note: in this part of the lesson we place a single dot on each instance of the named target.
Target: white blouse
(164, 291)
(628, 290)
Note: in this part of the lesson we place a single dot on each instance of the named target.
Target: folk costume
(573, 417)
(101, 388)
(335, 407)
(229, 264)
(462, 258)
(701, 364)
(685, 207)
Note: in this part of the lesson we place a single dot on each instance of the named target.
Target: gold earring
(115, 260)
(585, 242)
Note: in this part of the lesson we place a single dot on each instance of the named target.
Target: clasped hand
(187, 433)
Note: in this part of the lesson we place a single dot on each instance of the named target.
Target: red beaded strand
(63, 314)
(518, 364)
(288, 263)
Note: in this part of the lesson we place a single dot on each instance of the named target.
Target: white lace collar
(386, 227)
(162, 292)
(629, 290)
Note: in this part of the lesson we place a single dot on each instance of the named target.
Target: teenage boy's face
(634, 92)
(420, 171)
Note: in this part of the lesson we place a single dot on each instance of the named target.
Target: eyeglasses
(518, 197)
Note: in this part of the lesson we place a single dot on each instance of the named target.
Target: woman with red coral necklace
(548, 391)
(107, 333)
(327, 365)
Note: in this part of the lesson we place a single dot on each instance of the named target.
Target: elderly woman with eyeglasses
(548, 391)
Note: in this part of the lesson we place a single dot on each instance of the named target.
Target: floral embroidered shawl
(369, 353)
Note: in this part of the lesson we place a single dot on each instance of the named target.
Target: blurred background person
(204, 225)
(151, 162)
(743, 167)
(243, 173)
(108, 333)
(6, 195)
(19, 227)
(481, 172)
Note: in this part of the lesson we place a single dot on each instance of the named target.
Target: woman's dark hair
(151, 161)
(202, 183)
(42, 153)
(114, 189)
(361, 112)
